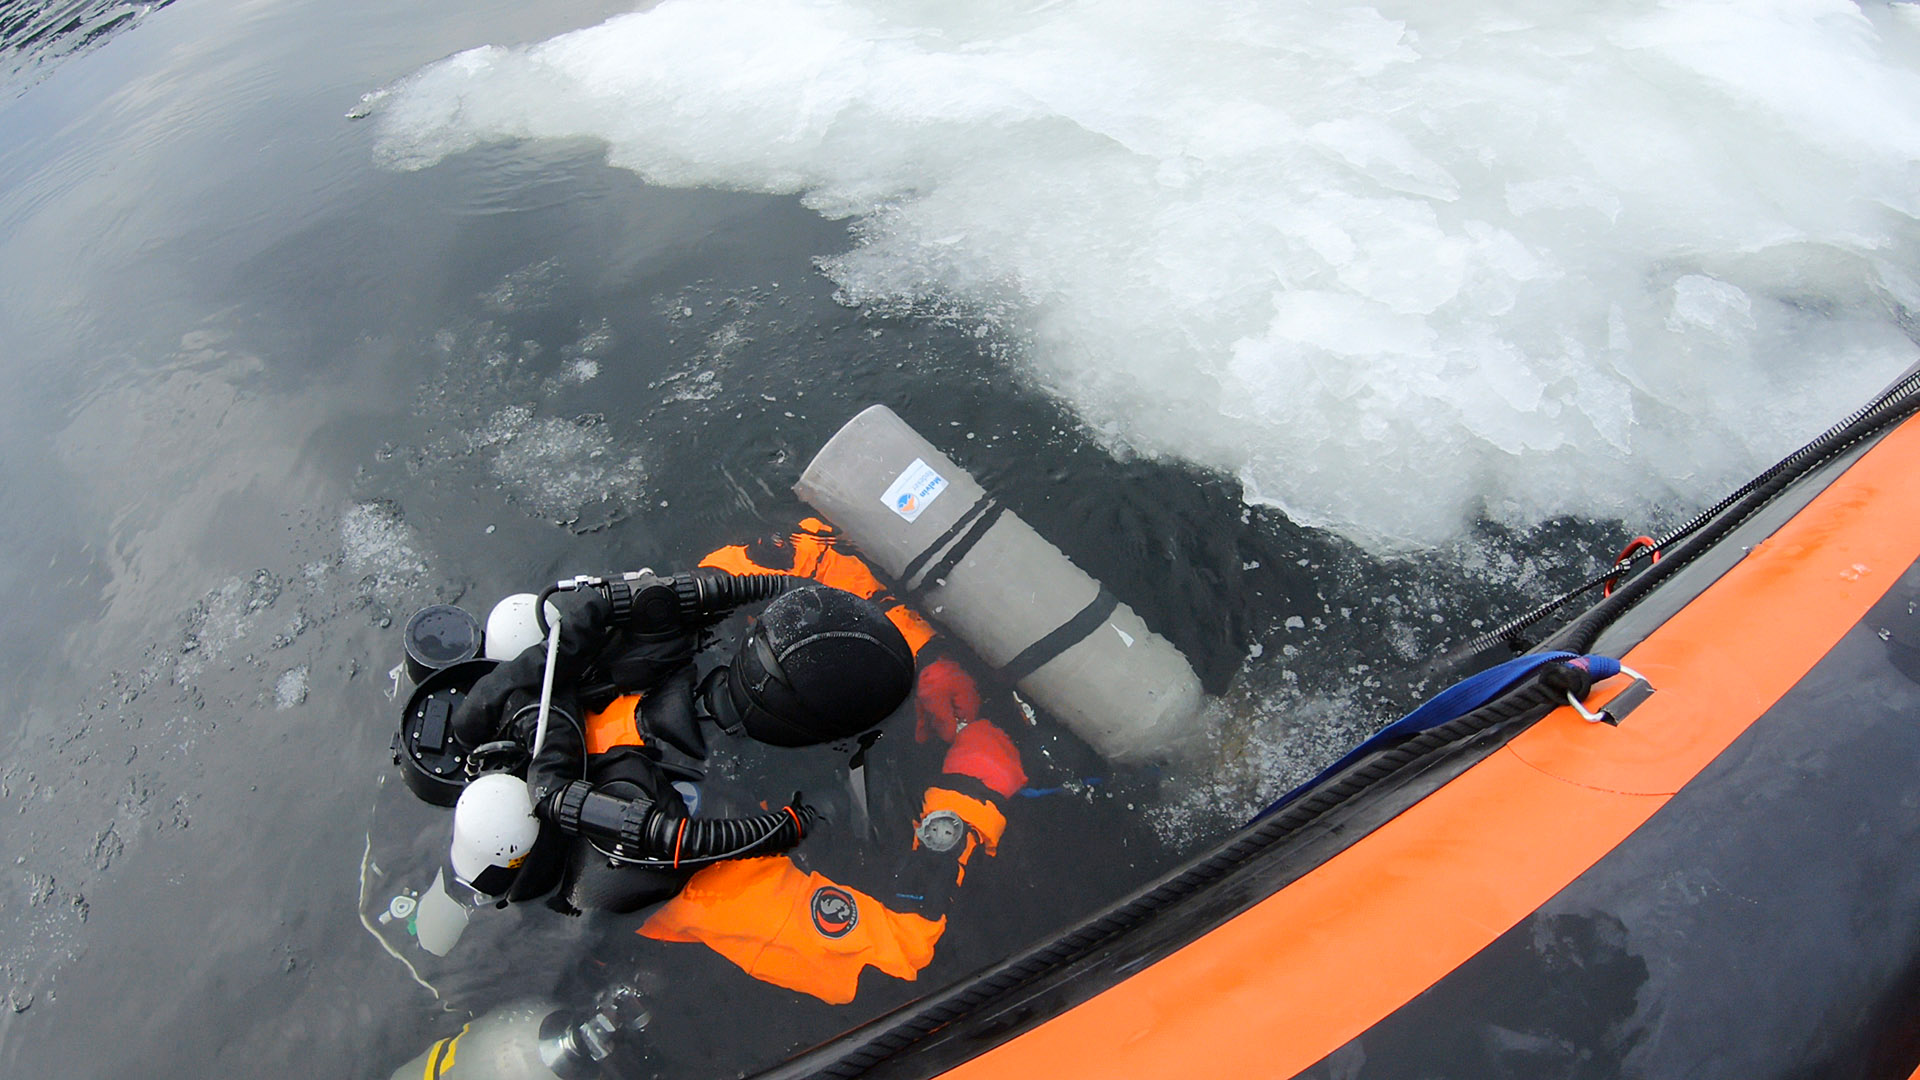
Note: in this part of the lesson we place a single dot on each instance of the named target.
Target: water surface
(1318, 333)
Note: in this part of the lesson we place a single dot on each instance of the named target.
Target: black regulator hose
(652, 605)
(639, 832)
(706, 592)
(540, 609)
(727, 838)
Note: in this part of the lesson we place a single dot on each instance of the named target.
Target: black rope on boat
(1896, 402)
(1733, 511)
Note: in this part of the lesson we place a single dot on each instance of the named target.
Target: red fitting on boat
(1634, 547)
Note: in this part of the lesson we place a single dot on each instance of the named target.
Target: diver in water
(804, 931)
(583, 797)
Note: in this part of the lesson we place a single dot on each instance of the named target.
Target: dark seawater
(260, 399)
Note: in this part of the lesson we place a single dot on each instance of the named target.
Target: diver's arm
(963, 813)
(811, 933)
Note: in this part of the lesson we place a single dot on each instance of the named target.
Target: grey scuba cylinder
(533, 1042)
(1015, 599)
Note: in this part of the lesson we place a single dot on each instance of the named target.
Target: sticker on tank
(914, 490)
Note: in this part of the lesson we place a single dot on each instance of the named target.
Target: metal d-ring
(1602, 717)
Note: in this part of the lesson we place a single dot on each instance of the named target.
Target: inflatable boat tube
(1705, 868)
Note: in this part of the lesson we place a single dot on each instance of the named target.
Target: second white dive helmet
(511, 626)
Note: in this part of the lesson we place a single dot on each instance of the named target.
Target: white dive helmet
(511, 626)
(493, 829)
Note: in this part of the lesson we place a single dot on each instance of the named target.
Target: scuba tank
(533, 1042)
(1014, 598)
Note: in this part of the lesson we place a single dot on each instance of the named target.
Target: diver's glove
(983, 753)
(961, 813)
(945, 699)
(585, 623)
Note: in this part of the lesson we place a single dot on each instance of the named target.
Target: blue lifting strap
(1451, 704)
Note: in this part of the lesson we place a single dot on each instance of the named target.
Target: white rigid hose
(546, 689)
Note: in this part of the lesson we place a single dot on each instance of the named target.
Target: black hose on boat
(1895, 403)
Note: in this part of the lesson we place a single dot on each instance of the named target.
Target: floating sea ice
(1394, 266)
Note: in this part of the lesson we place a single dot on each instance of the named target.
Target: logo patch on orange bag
(834, 912)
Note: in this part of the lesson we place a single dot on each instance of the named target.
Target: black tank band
(938, 571)
(1061, 638)
(919, 562)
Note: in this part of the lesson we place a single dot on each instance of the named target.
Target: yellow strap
(441, 1058)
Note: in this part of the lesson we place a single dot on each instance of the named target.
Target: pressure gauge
(942, 831)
